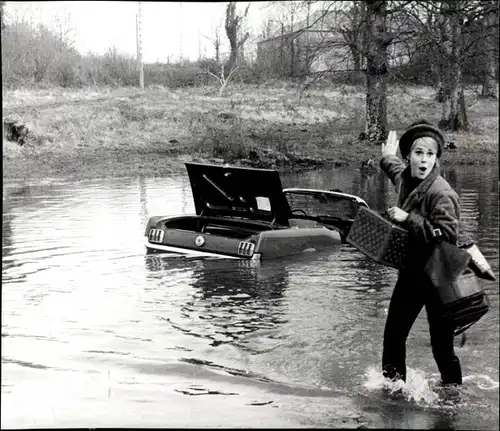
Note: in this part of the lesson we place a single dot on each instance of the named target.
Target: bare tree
(215, 67)
(233, 26)
(222, 79)
(377, 39)
(289, 14)
(447, 36)
(63, 27)
(490, 27)
(352, 30)
(296, 37)
(216, 42)
(2, 14)
(453, 113)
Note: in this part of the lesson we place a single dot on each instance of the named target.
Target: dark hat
(420, 129)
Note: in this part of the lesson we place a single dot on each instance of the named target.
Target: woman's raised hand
(397, 214)
(391, 145)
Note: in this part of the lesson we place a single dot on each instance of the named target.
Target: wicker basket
(379, 238)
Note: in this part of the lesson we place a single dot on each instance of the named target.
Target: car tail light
(155, 235)
(246, 248)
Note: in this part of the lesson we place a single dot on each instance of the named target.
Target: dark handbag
(465, 302)
(462, 297)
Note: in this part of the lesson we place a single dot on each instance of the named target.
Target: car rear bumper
(191, 252)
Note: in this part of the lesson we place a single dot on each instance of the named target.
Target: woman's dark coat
(432, 205)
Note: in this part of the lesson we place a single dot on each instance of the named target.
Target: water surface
(97, 333)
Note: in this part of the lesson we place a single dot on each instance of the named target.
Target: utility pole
(308, 31)
(181, 60)
(140, 66)
(199, 45)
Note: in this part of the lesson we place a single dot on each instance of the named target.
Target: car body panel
(198, 242)
(285, 242)
(244, 213)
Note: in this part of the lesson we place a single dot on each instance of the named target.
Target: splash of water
(426, 391)
(416, 388)
(482, 381)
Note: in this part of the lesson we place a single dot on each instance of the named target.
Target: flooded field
(97, 333)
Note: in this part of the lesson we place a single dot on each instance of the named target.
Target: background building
(314, 45)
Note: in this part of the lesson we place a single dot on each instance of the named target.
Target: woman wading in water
(428, 208)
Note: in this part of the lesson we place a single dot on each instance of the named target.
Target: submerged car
(244, 213)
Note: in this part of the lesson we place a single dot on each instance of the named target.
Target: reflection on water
(236, 304)
(119, 330)
(232, 299)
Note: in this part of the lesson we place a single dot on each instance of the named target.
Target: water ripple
(80, 294)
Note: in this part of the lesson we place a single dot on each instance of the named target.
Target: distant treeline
(39, 56)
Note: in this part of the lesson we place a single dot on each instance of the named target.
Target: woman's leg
(406, 302)
(441, 330)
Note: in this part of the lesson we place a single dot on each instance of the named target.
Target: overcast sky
(167, 28)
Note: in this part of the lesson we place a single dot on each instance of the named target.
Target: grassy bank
(101, 132)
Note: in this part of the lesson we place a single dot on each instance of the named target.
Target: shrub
(117, 69)
(174, 75)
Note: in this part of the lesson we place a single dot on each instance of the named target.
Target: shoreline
(101, 133)
(92, 166)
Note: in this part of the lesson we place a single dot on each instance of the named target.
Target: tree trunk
(233, 25)
(217, 55)
(453, 114)
(376, 42)
(217, 46)
(442, 54)
(356, 58)
(489, 82)
(2, 14)
(353, 35)
(307, 69)
(357, 45)
(232, 33)
(438, 73)
(232, 57)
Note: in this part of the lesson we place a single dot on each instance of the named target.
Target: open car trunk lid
(255, 194)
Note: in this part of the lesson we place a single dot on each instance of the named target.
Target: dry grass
(101, 132)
